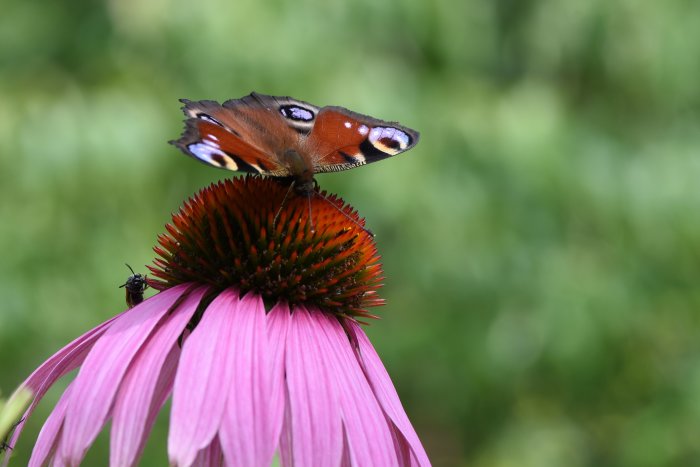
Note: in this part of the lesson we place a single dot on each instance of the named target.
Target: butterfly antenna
(369, 232)
(279, 211)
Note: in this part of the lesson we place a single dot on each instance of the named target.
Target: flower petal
(99, 377)
(366, 428)
(134, 400)
(205, 369)
(403, 448)
(285, 450)
(47, 440)
(246, 432)
(211, 456)
(385, 392)
(346, 461)
(277, 326)
(164, 387)
(317, 434)
(59, 364)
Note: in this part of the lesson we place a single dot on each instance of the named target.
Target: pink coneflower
(255, 336)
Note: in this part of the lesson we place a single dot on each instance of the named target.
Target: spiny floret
(253, 233)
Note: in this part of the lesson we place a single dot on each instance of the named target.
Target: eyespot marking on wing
(389, 140)
(297, 113)
(207, 151)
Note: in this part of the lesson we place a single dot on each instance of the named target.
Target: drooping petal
(59, 364)
(366, 427)
(199, 395)
(316, 430)
(246, 433)
(134, 400)
(211, 456)
(45, 444)
(345, 461)
(385, 392)
(164, 388)
(277, 326)
(285, 449)
(403, 449)
(102, 372)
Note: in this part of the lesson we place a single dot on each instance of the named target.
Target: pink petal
(211, 456)
(164, 387)
(285, 451)
(45, 444)
(386, 394)
(345, 461)
(278, 320)
(367, 430)
(134, 400)
(102, 372)
(403, 449)
(246, 429)
(60, 363)
(316, 430)
(199, 398)
(65, 359)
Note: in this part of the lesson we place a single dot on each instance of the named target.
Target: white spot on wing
(209, 119)
(363, 130)
(348, 125)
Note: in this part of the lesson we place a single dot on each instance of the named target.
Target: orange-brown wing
(342, 139)
(250, 134)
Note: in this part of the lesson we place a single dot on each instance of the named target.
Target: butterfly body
(284, 137)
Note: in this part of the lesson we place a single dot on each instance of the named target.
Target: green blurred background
(541, 243)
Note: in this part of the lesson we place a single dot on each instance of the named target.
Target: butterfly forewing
(236, 137)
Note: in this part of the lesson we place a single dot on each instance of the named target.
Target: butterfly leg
(279, 211)
(320, 195)
(311, 219)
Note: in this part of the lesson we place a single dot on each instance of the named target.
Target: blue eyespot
(296, 113)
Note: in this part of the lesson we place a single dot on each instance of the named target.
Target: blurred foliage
(541, 243)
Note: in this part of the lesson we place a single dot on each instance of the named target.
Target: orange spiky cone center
(255, 234)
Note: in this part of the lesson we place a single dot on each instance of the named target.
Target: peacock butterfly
(285, 137)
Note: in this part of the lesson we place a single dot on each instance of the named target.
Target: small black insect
(4, 445)
(135, 285)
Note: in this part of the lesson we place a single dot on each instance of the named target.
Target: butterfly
(284, 137)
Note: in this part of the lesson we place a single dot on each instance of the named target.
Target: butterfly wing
(342, 139)
(248, 134)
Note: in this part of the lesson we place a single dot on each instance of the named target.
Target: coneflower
(254, 335)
